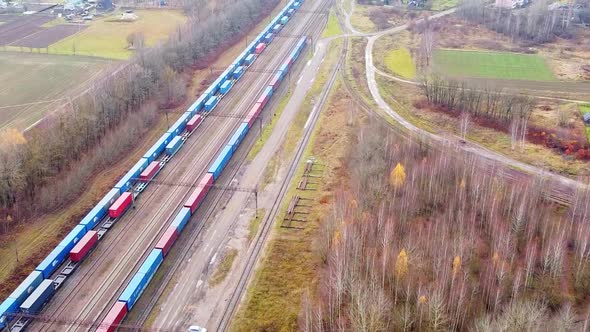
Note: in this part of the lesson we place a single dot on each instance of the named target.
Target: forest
(535, 24)
(51, 164)
(424, 238)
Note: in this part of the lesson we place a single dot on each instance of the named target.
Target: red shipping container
(167, 240)
(262, 100)
(83, 246)
(259, 48)
(120, 205)
(194, 122)
(250, 120)
(255, 110)
(149, 172)
(274, 82)
(113, 318)
(198, 195)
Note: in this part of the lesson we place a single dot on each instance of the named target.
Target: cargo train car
(181, 219)
(53, 260)
(197, 196)
(197, 106)
(174, 145)
(250, 59)
(226, 86)
(113, 318)
(238, 72)
(100, 210)
(86, 244)
(140, 280)
(8, 308)
(35, 302)
(129, 178)
(238, 136)
(59, 253)
(167, 240)
(194, 122)
(150, 171)
(220, 162)
(211, 103)
(265, 96)
(121, 205)
(157, 148)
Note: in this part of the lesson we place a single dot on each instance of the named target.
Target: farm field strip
(501, 65)
(45, 37)
(39, 77)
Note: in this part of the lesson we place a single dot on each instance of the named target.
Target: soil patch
(46, 37)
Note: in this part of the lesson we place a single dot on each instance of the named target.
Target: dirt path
(449, 140)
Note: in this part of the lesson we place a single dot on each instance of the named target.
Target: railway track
(310, 28)
(556, 193)
(87, 313)
(266, 224)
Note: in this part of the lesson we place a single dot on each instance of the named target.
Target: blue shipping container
(211, 91)
(238, 72)
(268, 91)
(249, 59)
(34, 303)
(296, 5)
(174, 145)
(134, 289)
(238, 136)
(152, 262)
(157, 148)
(276, 28)
(27, 287)
(181, 219)
(221, 161)
(100, 210)
(129, 178)
(226, 86)
(179, 125)
(73, 237)
(284, 20)
(268, 37)
(290, 12)
(9, 306)
(197, 106)
(211, 103)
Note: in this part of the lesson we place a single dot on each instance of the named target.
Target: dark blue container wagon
(221, 161)
(157, 148)
(34, 303)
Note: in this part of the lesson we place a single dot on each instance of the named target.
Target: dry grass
(224, 266)
(533, 154)
(107, 37)
(273, 299)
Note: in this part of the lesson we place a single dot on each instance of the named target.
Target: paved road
(447, 140)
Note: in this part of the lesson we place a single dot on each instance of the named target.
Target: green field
(585, 108)
(439, 5)
(332, 28)
(400, 62)
(107, 37)
(497, 65)
(38, 78)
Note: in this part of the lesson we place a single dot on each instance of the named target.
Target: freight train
(38, 288)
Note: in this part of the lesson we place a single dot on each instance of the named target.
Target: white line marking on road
(199, 283)
(213, 258)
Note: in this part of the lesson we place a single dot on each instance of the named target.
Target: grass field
(107, 38)
(400, 62)
(332, 29)
(37, 78)
(438, 5)
(497, 65)
(585, 108)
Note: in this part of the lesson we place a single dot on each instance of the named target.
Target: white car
(196, 328)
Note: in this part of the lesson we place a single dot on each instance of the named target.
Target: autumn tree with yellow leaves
(486, 252)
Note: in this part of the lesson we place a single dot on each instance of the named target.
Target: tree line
(423, 238)
(536, 24)
(81, 135)
(489, 103)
